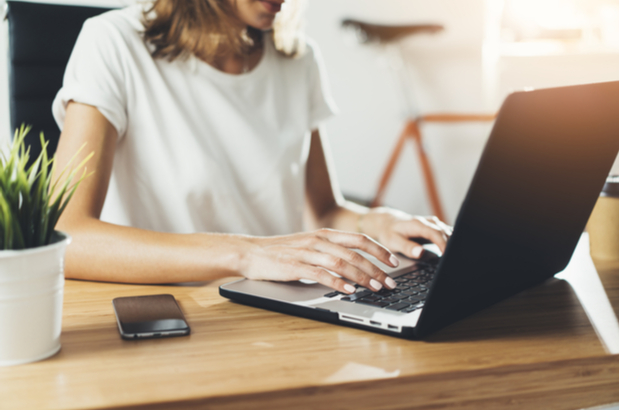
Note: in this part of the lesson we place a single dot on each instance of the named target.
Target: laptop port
(392, 327)
(352, 318)
(372, 322)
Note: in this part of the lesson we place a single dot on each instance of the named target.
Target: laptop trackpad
(282, 291)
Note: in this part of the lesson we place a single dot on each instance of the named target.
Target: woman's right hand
(310, 255)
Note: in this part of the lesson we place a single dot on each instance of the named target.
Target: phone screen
(140, 317)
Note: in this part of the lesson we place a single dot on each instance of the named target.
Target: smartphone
(142, 317)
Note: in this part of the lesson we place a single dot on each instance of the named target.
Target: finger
(339, 264)
(361, 242)
(405, 246)
(374, 277)
(434, 234)
(325, 278)
(421, 227)
(446, 229)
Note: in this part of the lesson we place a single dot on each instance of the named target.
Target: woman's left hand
(398, 230)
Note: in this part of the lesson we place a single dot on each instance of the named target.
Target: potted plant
(31, 252)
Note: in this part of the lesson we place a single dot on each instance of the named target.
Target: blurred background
(488, 49)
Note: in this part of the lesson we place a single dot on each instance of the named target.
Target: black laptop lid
(539, 177)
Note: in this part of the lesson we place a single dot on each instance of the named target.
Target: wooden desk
(538, 350)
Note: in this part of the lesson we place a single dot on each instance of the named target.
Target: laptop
(540, 174)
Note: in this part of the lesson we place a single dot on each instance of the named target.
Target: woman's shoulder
(126, 23)
(307, 56)
(311, 47)
(311, 56)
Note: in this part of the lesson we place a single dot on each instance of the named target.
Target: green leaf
(29, 206)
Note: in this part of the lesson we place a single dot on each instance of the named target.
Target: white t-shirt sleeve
(322, 105)
(94, 75)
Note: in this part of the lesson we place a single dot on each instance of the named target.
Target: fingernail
(417, 252)
(375, 285)
(394, 261)
(390, 283)
(349, 288)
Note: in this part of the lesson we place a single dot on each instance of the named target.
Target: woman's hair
(180, 28)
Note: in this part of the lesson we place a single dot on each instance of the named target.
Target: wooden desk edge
(566, 384)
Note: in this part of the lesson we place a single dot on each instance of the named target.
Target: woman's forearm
(113, 253)
(344, 216)
(107, 252)
(352, 217)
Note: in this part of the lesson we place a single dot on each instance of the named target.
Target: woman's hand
(310, 255)
(398, 230)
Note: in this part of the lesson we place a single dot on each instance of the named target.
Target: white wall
(455, 70)
(447, 72)
(4, 83)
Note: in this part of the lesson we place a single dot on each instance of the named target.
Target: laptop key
(332, 294)
(412, 307)
(360, 295)
(372, 303)
(398, 306)
(372, 297)
(413, 282)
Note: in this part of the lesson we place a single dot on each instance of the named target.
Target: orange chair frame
(412, 131)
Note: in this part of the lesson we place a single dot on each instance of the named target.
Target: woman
(208, 154)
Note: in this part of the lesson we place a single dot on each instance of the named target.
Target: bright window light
(591, 22)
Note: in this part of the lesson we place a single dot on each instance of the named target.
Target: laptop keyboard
(409, 294)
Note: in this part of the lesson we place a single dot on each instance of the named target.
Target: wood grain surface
(545, 348)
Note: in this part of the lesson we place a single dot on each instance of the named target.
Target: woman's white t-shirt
(199, 150)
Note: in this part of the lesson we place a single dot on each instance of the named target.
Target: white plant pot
(31, 289)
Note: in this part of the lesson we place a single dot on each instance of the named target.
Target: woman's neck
(233, 63)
